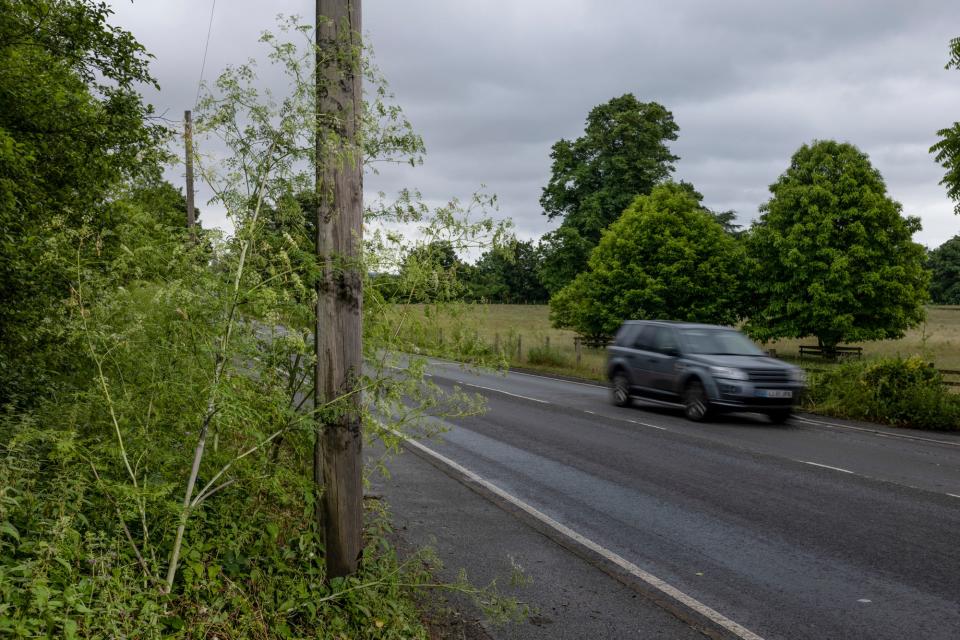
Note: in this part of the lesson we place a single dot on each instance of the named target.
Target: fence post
(519, 348)
(547, 342)
(496, 342)
(576, 345)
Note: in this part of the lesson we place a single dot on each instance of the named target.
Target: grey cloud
(492, 85)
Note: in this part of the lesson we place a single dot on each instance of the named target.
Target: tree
(564, 255)
(508, 275)
(68, 135)
(727, 219)
(947, 149)
(664, 258)
(944, 263)
(622, 154)
(835, 256)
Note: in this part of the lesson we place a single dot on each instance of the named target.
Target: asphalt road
(802, 530)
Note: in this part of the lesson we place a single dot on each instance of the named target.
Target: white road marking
(515, 395)
(826, 466)
(953, 495)
(642, 424)
(905, 436)
(650, 579)
(864, 600)
(645, 424)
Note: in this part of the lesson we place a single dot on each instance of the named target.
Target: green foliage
(178, 359)
(564, 255)
(622, 154)
(546, 357)
(68, 135)
(947, 149)
(664, 258)
(905, 392)
(944, 264)
(434, 268)
(835, 255)
(507, 274)
(253, 569)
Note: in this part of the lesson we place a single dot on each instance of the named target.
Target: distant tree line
(508, 274)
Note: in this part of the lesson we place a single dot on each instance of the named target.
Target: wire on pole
(206, 46)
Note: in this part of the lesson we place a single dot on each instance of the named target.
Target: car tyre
(696, 404)
(621, 389)
(779, 416)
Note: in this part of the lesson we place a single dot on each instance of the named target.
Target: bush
(904, 392)
(252, 567)
(546, 357)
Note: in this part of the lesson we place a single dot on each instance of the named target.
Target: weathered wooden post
(338, 328)
(576, 346)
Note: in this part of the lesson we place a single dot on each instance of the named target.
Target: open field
(938, 340)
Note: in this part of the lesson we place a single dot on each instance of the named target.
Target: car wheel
(779, 416)
(696, 405)
(621, 389)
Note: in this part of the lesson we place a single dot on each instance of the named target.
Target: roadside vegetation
(157, 429)
(904, 392)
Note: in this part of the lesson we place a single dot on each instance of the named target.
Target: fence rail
(948, 373)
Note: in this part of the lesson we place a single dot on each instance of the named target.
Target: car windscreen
(719, 342)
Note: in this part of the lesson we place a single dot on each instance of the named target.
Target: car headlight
(729, 373)
(798, 375)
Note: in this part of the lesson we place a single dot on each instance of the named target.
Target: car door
(641, 358)
(662, 360)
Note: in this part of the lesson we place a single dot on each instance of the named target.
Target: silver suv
(704, 367)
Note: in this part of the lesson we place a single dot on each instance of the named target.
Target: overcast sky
(492, 85)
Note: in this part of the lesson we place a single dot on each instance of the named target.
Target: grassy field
(938, 340)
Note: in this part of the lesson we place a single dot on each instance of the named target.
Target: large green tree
(623, 153)
(835, 254)
(947, 149)
(666, 257)
(72, 126)
(944, 263)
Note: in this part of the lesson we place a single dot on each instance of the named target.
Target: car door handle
(652, 360)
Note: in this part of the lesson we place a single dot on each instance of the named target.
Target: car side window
(626, 336)
(643, 337)
(664, 341)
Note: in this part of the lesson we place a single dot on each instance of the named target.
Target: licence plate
(774, 393)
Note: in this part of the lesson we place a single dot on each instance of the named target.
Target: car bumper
(749, 396)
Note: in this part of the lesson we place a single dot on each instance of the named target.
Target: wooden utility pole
(338, 331)
(188, 144)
